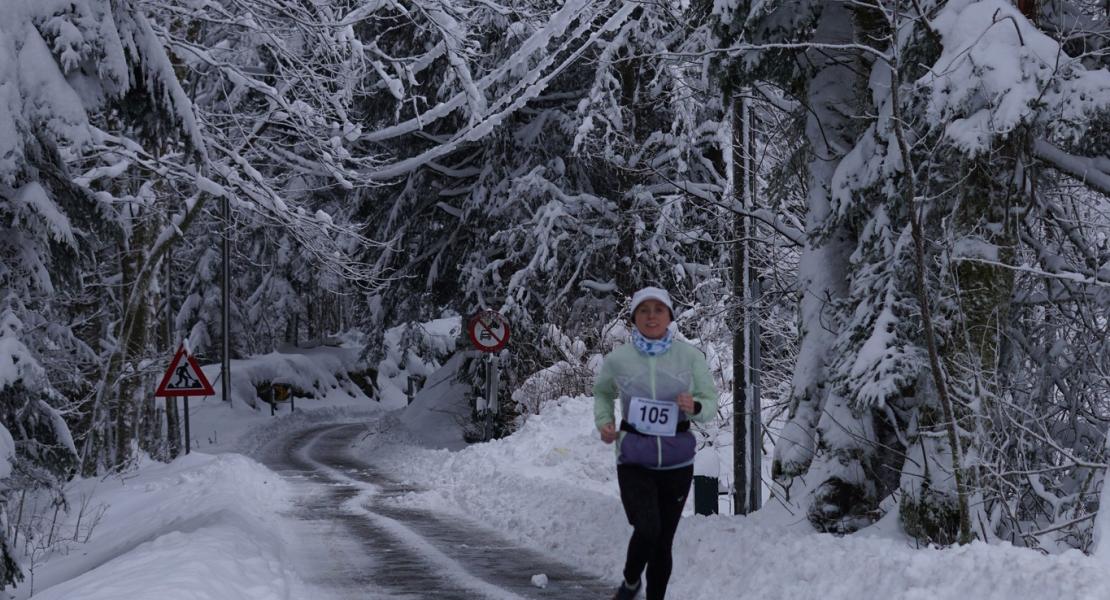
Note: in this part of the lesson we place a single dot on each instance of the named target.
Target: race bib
(653, 417)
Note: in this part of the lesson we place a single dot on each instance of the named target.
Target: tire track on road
(407, 553)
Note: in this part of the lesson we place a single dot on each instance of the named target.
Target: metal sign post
(188, 436)
(184, 378)
(489, 332)
(494, 376)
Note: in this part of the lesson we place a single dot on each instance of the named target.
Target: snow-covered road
(358, 541)
(361, 510)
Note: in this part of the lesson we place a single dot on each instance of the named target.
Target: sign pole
(494, 376)
(487, 419)
(188, 439)
(184, 378)
(489, 332)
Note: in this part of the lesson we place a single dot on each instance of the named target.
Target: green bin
(705, 495)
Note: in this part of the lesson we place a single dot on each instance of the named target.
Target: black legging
(653, 501)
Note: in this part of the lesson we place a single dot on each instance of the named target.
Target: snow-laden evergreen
(931, 199)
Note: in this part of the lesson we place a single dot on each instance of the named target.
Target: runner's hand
(686, 403)
(608, 433)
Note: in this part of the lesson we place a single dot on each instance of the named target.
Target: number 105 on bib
(653, 417)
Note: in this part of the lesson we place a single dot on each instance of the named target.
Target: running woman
(662, 384)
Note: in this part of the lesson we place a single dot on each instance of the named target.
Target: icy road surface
(358, 544)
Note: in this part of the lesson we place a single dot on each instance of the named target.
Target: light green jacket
(626, 372)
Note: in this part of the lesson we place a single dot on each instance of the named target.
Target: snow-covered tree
(62, 65)
(926, 122)
(558, 201)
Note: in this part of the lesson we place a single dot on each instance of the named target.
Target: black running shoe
(627, 593)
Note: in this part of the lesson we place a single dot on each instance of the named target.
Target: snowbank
(312, 370)
(437, 413)
(414, 349)
(217, 426)
(552, 486)
(200, 527)
(204, 526)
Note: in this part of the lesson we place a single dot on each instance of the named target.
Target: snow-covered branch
(1091, 171)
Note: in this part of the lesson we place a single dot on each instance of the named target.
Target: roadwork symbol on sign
(489, 331)
(184, 377)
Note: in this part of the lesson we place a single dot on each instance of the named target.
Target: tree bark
(133, 339)
(173, 431)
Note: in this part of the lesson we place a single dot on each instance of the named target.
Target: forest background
(920, 189)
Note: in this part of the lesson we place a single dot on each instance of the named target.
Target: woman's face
(652, 318)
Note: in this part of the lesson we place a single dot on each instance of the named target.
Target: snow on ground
(199, 528)
(208, 525)
(436, 415)
(552, 485)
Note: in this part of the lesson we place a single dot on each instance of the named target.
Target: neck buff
(652, 347)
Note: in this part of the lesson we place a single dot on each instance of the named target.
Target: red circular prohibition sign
(489, 331)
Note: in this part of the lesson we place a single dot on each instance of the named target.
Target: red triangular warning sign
(184, 377)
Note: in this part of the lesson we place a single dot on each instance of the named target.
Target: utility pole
(739, 260)
(225, 293)
(755, 398)
(751, 326)
(747, 423)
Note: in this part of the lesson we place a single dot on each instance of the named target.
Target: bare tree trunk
(173, 432)
(150, 426)
(133, 337)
